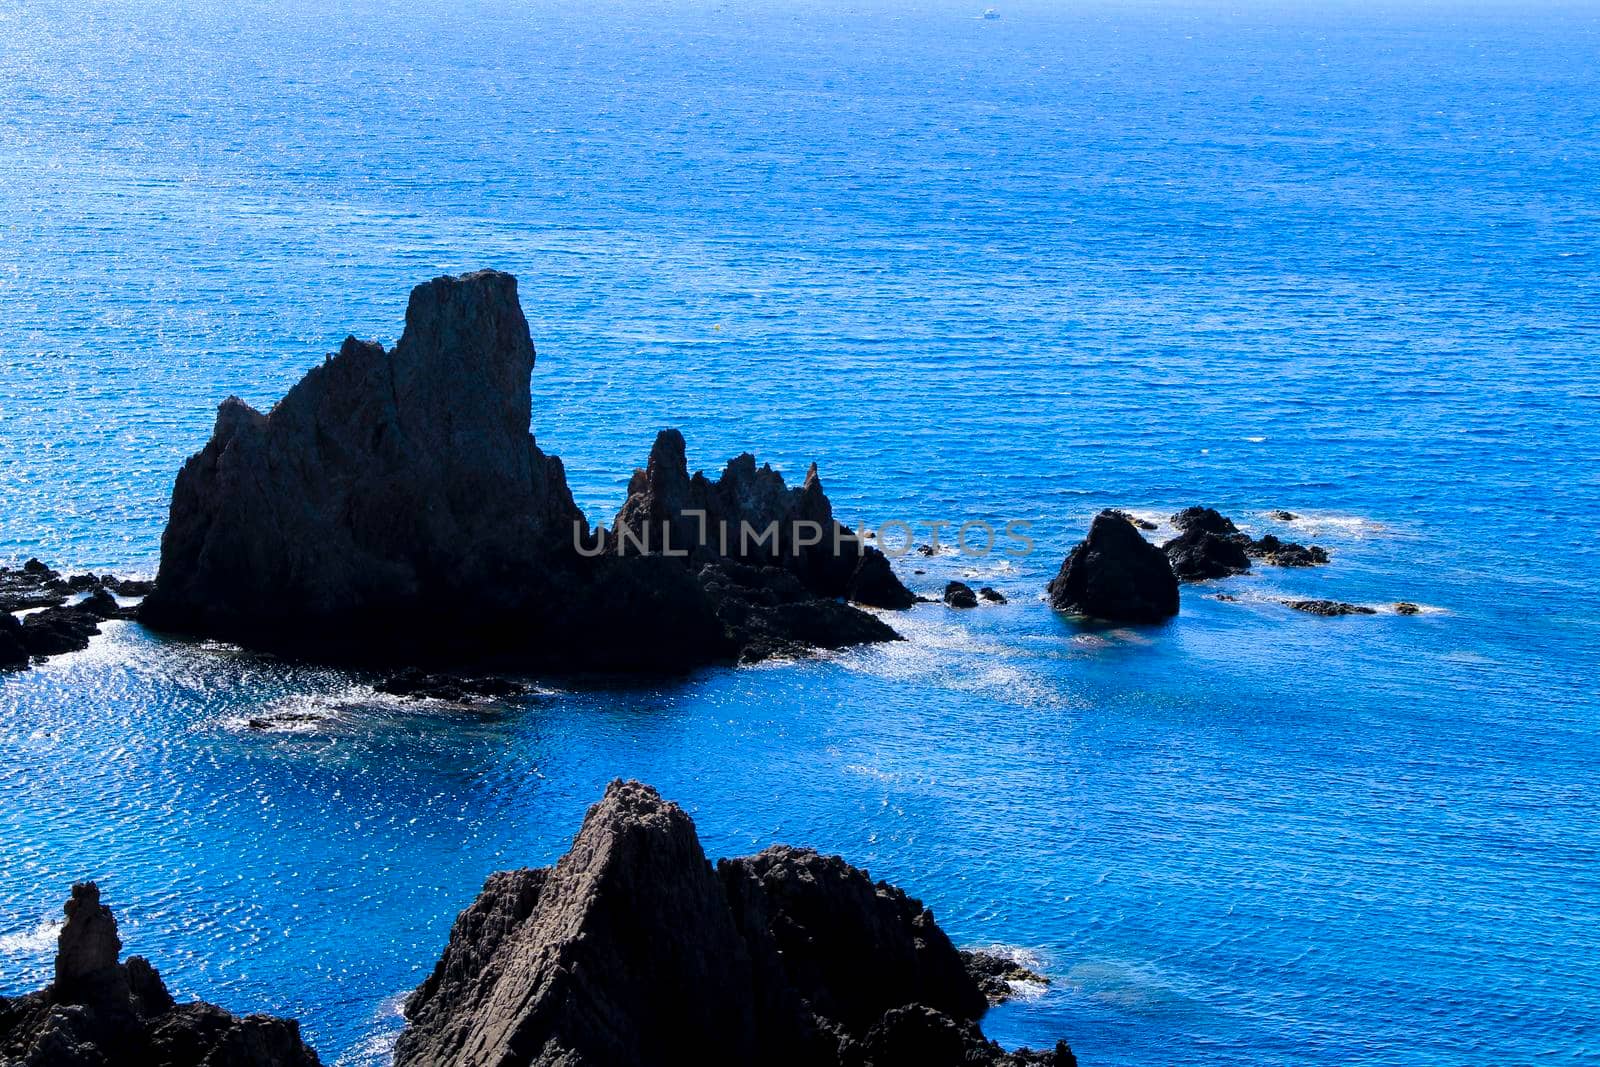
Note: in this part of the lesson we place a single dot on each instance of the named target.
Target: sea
(1332, 257)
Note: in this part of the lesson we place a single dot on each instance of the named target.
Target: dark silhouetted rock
(53, 631)
(1329, 607)
(750, 516)
(1269, 549)
(1211, 546)
(960, 595)
(393, 508)
(33, 585)
(995, 974)
(417, 684)
(101, 604)
(993, 596)
(386, 495)
(1285, 516)
(1115, 574)
(283, 721)
(1405, 607)
(875, 584)
(13, 651)
(632, 950)
(1205, 520)
(1198, 554)
(918, 1036)
(130, 587)
(102, 1013)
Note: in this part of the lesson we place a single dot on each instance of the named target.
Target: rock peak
(88, 945)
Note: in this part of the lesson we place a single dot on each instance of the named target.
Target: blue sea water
(1340, 259)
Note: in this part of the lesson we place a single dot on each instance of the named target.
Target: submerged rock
(1329, 607)
(1405, 607)
(960, 595)
(100, 1012)
(1115, 574)
(632, 949)
(393, 507)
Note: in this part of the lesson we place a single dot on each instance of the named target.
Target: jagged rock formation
(633, 949)
(53, 625)
(1115, 574)
(102, 1013)
(393, 507)
(1209, 545)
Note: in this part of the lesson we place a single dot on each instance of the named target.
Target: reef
(632, 948)
(1115, 574)
(394, 508)
(100, 1012)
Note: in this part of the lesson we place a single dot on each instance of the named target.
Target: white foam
(41, 938)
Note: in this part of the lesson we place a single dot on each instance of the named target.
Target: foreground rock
(394, 508)
(634, 950)
(62, 613)
(100, 1012)
(1209, 545)
(1115, 574)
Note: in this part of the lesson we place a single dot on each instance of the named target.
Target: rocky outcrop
(1115, 574)
(99, 1012)
(61, 613)
(633, 949)
(998, 975)
(393, 507)
(1210, 545)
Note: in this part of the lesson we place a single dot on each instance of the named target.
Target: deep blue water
(1326, 258)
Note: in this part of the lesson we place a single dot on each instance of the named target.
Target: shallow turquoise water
(1024, 268)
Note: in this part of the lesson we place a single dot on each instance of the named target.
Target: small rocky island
(394, 508)
(633, 949)
(101, 1012)
(1115, 574)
